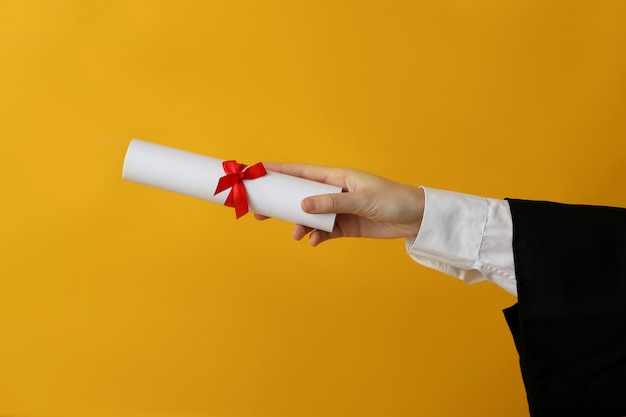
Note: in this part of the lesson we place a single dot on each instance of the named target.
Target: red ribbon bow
(235, 174)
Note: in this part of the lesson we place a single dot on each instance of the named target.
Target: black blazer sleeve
(569, 324)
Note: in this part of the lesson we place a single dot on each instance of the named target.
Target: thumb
(350, 202)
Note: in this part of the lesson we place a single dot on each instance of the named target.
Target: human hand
(370, 206)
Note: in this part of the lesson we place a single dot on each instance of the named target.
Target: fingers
(316, 236)
(352, 203)
(319, 236)
(319, 173)
(300, 231)
(260, 217)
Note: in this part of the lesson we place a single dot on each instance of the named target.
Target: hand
(370, 206)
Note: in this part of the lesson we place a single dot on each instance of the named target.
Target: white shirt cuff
(467, 237)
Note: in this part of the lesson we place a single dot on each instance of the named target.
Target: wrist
(419, 203)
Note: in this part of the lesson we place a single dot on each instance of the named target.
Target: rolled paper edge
(196, 175)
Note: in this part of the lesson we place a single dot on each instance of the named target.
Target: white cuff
(467, 237)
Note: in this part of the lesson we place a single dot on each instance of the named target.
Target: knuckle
(334, 201)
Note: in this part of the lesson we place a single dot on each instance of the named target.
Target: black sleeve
(569, 324)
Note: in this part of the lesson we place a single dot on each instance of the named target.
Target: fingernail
(308, 205)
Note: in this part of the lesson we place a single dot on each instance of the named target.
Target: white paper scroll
(274, 195)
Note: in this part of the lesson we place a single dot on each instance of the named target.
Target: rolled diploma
(274, 195)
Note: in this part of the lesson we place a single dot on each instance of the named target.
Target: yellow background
(121, 300)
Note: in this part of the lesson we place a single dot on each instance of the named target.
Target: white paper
(274, 195)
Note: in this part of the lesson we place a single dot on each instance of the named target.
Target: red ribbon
(235, 174)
